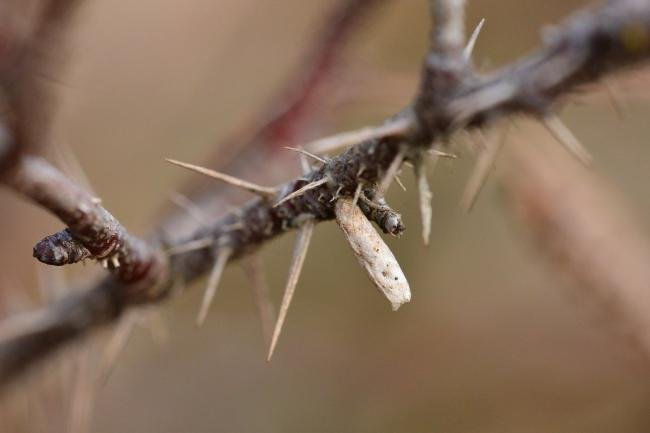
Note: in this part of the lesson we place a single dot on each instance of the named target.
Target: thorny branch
(292, 109)
(558, 200)
(452, 96)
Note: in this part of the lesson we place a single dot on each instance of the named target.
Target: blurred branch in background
(586, 230)
(32, 38)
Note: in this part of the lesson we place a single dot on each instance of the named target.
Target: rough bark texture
(452, 96)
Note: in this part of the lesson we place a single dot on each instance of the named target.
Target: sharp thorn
(400, 183)
(115, 261)
(197, 244)
(439, 153)
(68, 159)
(345, 139)
(183, 202)
(565, 137)
(424, 193)
(264, 191)
(116, 345)
(83, 391)
(299, 254)
(337, 194)
(614, 98)
(490, 148)
(469, 48)
(301, 191)
(213, 282)
(306, 153)
(391, 172)
(305, 166)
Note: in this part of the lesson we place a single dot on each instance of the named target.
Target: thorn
(614, 98)
(489, 151)
(115, 261)
(372, 253)
(338, 141)
(337, 194)
(400, 183)
(357, 193)
(263, 191)
(424, 193)
(362, 168)
(104, 263)
(299, 254)
(83, 391)
(183, 202)
(391, 172)
(304, 152)
(70, 163)
(197, 244)
(254, 270)
(222, 258)
(96, 200)
(304, 164)
(469, 48)
(561, 133)
(116, 345)
(439, 153)
(301, 191)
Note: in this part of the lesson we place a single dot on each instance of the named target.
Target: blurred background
(494, 339)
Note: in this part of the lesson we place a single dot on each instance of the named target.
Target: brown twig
(451, 96)
(92, 231)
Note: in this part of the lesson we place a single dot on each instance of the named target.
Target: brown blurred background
(493, 340)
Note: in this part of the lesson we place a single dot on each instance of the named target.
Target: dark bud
(60, 249)
(388, 220)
